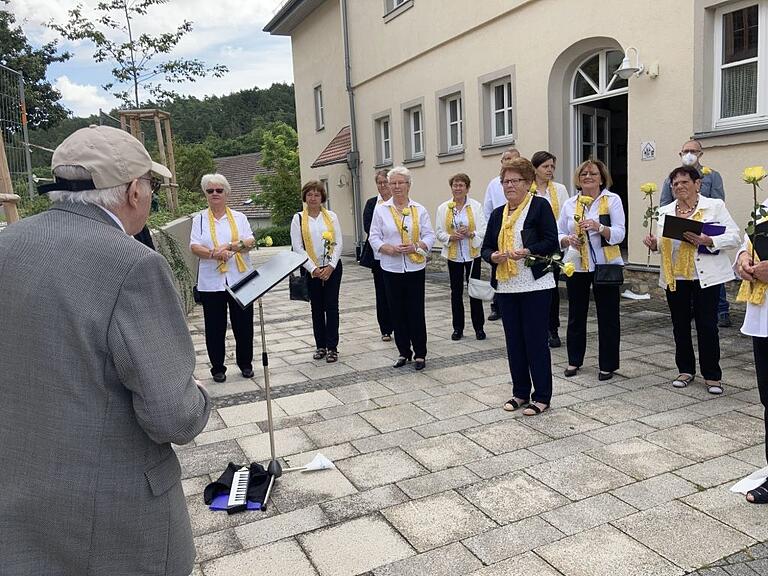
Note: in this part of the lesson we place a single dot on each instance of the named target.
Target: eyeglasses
(154, 184)
(511, 181)
(688, 151)
(212, 190)
(593, 174)
(399, 183)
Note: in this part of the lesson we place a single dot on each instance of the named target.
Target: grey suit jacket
(95, 384)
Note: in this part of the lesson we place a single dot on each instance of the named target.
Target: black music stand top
(262, 279)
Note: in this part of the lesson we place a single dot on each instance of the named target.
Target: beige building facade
(446, 86)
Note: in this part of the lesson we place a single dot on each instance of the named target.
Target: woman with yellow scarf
(522, 227)
(221, 238)
(460, 226)
(753, 270)
(691, 274)
(590, 229)
(316, 234)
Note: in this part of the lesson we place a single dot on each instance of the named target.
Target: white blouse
(524, 280)
(316, 228)
(209, 279)
(461, 218)
(566, 225)
(756, 317)
(562, 196)
(384, 231)
(494, 197)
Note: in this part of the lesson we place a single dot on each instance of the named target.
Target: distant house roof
(241, 171)
(336, 151)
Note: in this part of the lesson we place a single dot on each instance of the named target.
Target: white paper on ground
(751, 482)
(632, 296)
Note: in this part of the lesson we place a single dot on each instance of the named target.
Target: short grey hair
(402, 171)
(109, 198)
(209, 179)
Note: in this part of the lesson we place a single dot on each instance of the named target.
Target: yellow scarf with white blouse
(309, 247)
(234, 237)
(752, 292)
(399, 218)
(554, 201)
(450, 224)
(506, 240)
(683, 264)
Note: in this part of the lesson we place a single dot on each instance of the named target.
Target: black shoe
(420, 364)
(247, 373)
(494, 315)
(602, 376)
(219, 377)
(554, 340)
(400, 362)
(480, 335)
(457, 334)
(568, 372)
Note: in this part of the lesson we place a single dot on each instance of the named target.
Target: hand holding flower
(651, 242)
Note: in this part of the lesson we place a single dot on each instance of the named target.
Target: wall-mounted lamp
(626, 70)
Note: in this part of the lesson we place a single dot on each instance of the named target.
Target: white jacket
(444, 235)
(710, 269)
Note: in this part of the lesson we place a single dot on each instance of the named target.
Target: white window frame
(319, 107)
(459, 123)
(507, 108)
(761, 114)
(382, 126)
(416, 136)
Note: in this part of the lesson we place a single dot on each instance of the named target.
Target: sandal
(759, 494)
(513, 404)
(333, 355)
(715, 388)
(386, 338)
(682, 380)
(319, 354)
(535, 408)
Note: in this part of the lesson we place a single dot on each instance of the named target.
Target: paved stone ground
(628, 477)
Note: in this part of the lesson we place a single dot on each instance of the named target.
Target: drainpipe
(353, 158)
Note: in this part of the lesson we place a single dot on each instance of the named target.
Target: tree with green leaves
(43, 108)
(280, 189)
(193, 161)
(137, 58)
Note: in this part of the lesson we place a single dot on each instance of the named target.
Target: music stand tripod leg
(274, 469)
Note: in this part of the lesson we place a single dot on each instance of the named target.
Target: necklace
(688, 211)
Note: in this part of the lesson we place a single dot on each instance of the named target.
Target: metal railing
(13, 129)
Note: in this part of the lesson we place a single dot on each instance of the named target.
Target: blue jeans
(722, 304)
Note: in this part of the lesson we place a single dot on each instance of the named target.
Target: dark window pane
(586, 128)
(613, 61)
(592, 69)
(740, 29)
(499, 123)
(581, 87)
(602, 153)
(498, 103)
(739, 91)
(602, 129)
(454, 135)
(509, 124)
(586, 152)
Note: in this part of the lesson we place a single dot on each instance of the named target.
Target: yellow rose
(406, 211)
(706, 170)
(267, 241)
(328, 236)
(585, 200)
(753, 174)
(451, 205)
(648, 188)
(569, 268)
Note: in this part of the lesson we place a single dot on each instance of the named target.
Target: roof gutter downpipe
(353, 158)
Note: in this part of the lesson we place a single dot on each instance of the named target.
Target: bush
(281, 235)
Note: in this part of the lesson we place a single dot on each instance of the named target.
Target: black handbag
(366, 256)
(606, 274)
(298, 285)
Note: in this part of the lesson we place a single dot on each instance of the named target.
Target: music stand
(260, 281)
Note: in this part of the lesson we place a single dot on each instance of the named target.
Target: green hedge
(281, 235)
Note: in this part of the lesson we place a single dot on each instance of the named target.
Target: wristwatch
(600, 228)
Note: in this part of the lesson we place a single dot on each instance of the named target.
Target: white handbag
(480, 289)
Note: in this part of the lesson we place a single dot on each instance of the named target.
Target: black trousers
(405, 294)
(324, 300)
(760, 346)
(554, 307)
(526, 332)
(215, 306)
(459, 272)
(383, 314)
(608, 322)
(690, 296)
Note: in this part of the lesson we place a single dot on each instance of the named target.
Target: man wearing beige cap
(96, 376)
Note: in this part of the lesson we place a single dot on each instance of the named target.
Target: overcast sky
(225, 32)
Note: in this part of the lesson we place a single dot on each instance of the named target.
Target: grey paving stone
(281, 526)
(562, 422)
(529, 564)
(611, 410)
(363, 503)
(716, 471)
(438, 482)
(450, 406)
(504, 463)
(195, 485)
(693, 442)
(621, 431)
(445, 451)
(209, 459)
(684, 535)
(358, 392)
(216, 544)
(493, 396)
(655, 491)
(505, 436)
(378, 468)
(388, 440)
(513, 539)
(227, 434)
(445, 426)
(639, 458)
(214, 422)
(754, 455)
(512, 497)
(565, 446)
(287, 441)
(736, 426)
(333, 453)
(307, 402)
(247, 413)
(721, 405)
(339, 430)
(284, 557)
(402, 398)
(451, 560)
(578, 476)
(494, 415)
(437, 520)
(670, 418)
(397, 417)
(347, 409)
(610, 553)
(302, 489)
(732, 509)
(353, 547)
(588, 513)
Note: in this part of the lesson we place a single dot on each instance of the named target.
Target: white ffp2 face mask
(689, 159)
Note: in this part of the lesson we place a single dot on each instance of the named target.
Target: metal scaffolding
(13, 129)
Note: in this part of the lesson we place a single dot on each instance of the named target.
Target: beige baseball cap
(112, 156)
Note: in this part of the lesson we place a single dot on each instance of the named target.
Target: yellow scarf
(453, 245)
(309, 247)
(752, 292)
(399, 218)
(506, 241)
(234, 237)
(610, 252)
(554, 201)
(683, 265)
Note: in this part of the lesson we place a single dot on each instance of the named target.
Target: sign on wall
(648, 150)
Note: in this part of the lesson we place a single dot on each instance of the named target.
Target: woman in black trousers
(524, 226)
(371, 260)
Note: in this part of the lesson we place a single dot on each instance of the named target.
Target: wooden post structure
(174, 188)
(8, 199)
(173, 205)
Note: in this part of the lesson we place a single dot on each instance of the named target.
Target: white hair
(209, 179)
(108, 198)
(402, 171)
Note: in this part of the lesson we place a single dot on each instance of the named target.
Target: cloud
(82, 99)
